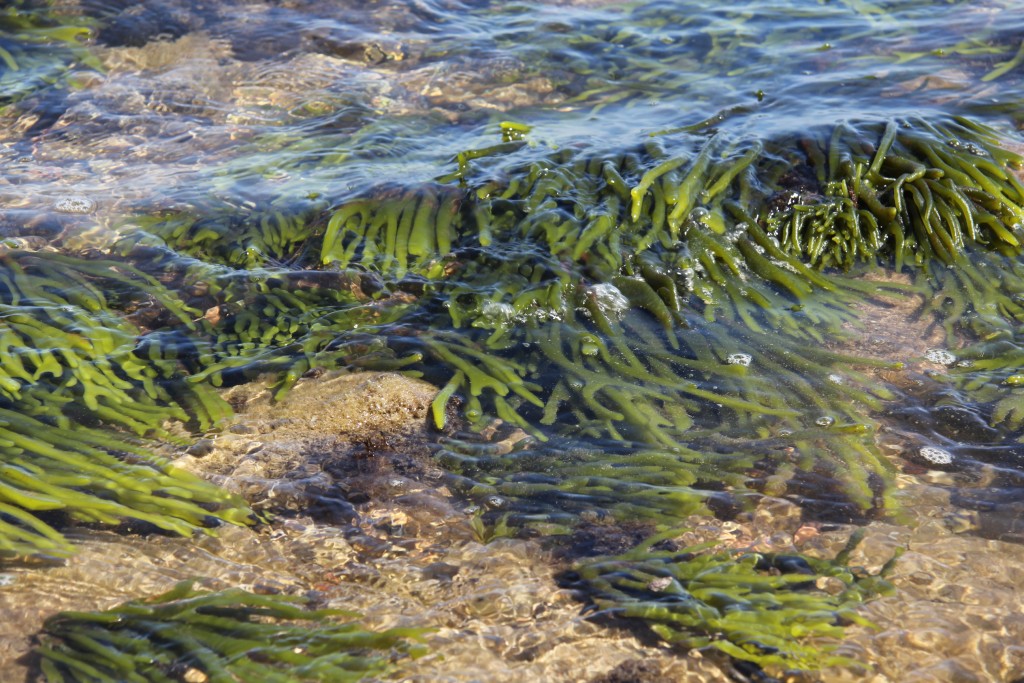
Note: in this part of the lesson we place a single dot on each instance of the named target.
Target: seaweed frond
(227, 635)
(780, 611)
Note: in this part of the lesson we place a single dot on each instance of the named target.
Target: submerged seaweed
(39, 49)
(774, 610)
(653, 320)
(657, 327)
(230, 635)
(69, 364)
(648, 314)
(609, 298)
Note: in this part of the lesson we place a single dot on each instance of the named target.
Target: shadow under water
(663, 266)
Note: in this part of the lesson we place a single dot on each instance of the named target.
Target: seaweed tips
(911, 191)
(230, 635)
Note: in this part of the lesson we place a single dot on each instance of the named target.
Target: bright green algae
(575, 301)
(226, 635)
(664, 319)
(755, 607)
(70, 364)
(38, 49)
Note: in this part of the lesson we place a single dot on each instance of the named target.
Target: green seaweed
(771, 609)
(227, 635)
(94, 477)
(917, 193)
(657, 322)
(649, 298)
(70, 364)
(40, 47)
(89, 342)
(605, 297)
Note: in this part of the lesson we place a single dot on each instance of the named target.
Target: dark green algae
(228, 635)
(636, 406)
(659, 327)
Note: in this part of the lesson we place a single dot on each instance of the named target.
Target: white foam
(936, 456)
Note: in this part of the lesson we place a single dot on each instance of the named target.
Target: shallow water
(209, 146)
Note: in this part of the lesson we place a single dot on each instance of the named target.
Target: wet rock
(632, 671)
(963, 424)
(139, 24)
(201, 448)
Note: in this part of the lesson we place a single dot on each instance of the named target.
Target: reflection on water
(590, 221)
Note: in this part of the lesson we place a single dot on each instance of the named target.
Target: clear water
(221, 114)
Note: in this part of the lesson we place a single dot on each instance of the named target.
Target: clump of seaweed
(592, 303)
(921, 193)
(775, 610)
(247, 237)
(38, 47)
(92, 476)
(70, 364)
(641, 287)
(657, 299)
(228, 635)
(90, 341)
(65, 345)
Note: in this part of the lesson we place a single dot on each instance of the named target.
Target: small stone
(921, 578)
(659, 584)
(194, 675)
(200, 448)
(830, 584)
(440, 571)
(805, 534)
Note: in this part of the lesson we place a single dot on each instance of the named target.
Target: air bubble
(743, 359)
(74, 204)
(936, 456)
(940, 356)
(498, 311)
(825, 421)
(610, 300)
